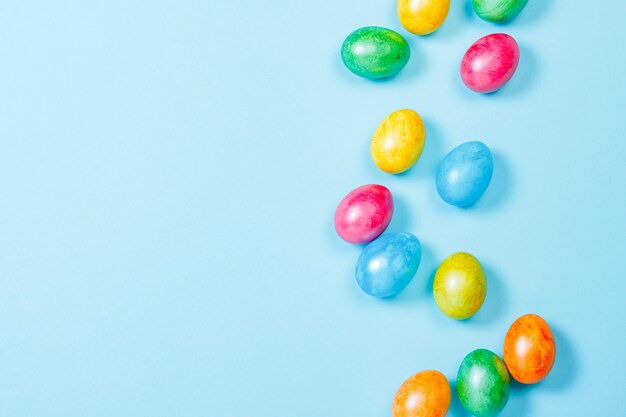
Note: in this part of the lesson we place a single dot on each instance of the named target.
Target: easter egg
(529, 349)
(375, 52)
(425, 394)
(460, 286)
(483, 383)
(364, 213)
(398, 141)
(424, 16)
(388, 264)
(490, 63)
(498, 11)
(464, 174)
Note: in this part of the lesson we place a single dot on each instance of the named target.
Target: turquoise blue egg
(464, 174)
(388, 264)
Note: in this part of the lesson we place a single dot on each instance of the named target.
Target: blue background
(169, 173)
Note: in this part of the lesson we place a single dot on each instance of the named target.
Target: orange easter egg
(425, 394)
(529, 349)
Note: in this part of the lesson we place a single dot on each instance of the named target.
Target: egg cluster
(483, 382)
(390, 261)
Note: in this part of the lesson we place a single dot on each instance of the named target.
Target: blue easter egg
(388, 264)
(464, 174)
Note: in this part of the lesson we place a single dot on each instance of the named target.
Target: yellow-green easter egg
(422, 17)
(398, 141)
(460, 286)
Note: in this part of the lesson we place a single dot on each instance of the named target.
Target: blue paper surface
(169, 173)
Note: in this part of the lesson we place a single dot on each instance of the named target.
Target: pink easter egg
(364, 213)
(489, 63)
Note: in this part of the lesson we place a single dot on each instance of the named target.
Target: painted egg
(422, 17)
(398, 142)
(375, 52)
(460, 286)
(364, 213)
(490, 63)
(529, 349)
(498, 11)
(483, 383)
(425, 394)
(388, 264)
(464, 174)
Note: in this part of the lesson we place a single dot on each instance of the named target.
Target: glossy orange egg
(529, 349)
(425, 394)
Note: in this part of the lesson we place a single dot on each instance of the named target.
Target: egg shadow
(525, 77)
(413, 69)
(428, 268)
(533, 12)
(518, 404)
(454, 23)
(456, 408)
(566, 365)
(401, 220)
(500, 188)
(468, 9)
(393, 15)
(496, 301)
(432, 154)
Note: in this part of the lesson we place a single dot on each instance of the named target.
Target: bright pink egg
(489, 63)
(364, 213)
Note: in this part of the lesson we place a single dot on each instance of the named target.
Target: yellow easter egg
(422, 16)
(398, 141)
(460, 286)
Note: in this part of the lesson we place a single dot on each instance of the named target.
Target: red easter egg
(490, 63)
(364, 213)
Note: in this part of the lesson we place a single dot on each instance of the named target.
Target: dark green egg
(483, 383)
(375, 52)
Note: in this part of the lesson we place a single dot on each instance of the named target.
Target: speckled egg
(364, 213)
(529, 349)
(425, 394)
(375, 52)
(388, 264)
(483, 383)
(490, 63)
(460, 286)
(398, 142)
(498, 11)
(424, 16)
(464, 174)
